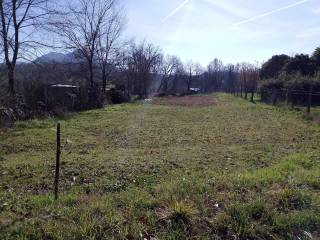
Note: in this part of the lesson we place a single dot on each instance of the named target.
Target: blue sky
(232, 30)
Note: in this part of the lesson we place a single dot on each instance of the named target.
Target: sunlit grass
(134, 171)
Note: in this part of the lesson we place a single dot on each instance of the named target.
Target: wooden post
(274, 97)
(287, 96)
(309, 100)
(292, 99)
(58, 153)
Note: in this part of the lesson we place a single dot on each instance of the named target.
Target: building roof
(195, 89)
(63, 86)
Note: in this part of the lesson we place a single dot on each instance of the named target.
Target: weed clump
(180, 213)
(251, 220)
(240, 222)
(296, 225)
(291, 199)
(176, 221)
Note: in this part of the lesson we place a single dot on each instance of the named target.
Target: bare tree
(109, 54)
(19, 21)
(254, 77)
(194, 70)
(230, 78)
(244, 79)
(237, 78)
(169, 68)
(142, 63)
(249, 77)
(215, 75)
(82, 28)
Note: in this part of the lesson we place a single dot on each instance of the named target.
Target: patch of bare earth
(186, 101)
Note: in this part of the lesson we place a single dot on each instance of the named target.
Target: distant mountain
(54, 57)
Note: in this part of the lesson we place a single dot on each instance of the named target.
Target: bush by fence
(293, 89)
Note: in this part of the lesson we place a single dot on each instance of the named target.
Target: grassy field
(231, 170)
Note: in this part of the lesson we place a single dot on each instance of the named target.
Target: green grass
(236, 170)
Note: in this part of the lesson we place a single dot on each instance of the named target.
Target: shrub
(298, 84)
(117, 96)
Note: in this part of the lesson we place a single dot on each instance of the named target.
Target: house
(195, 90)
(62, 95)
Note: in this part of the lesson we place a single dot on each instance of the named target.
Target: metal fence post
(57, 171)
(309, 100)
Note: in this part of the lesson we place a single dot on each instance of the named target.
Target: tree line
(92, 32)
(291, 79)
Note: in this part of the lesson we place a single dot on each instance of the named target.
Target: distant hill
(55, 57)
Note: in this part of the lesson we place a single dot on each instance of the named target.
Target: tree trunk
(128, 87)
(91, 77)
(104, 80)
(292, 99)
(104, 83)
(287, 97)
(274, 97)
(161, 86)
(11, 81)
(252, 96)
(145, 87)
(189, 82)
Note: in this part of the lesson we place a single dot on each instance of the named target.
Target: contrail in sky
(269, 13)
(176, 10)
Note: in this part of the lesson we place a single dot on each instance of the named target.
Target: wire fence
(301, 98)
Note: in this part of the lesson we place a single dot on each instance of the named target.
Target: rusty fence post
(57, 171)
